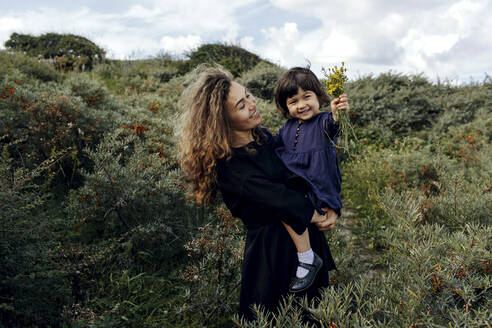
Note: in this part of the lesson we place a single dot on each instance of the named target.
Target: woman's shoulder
(235, 169)
(244, 160)
(228, 168)
(237, 162)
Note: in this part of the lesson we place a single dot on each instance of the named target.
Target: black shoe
(301, 284)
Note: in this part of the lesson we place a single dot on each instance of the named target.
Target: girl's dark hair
(289, 83)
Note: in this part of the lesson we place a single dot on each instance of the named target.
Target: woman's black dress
(261, 191)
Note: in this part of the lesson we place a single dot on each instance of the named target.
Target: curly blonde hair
(205, 130)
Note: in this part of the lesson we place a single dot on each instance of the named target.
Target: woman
(222, 147)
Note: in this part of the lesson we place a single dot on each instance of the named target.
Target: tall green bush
(24, 68)
(212, 277)
(438, 274)
(262, 80)
(34, 288)
(233, 58)
(131, 183)
(51, 117)
(123, 247)
(391, 105)
(78, 51)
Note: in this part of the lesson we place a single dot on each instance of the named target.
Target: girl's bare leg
(301, 241)
(304, 252)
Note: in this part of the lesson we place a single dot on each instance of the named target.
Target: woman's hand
(330, 218)
(340, 103)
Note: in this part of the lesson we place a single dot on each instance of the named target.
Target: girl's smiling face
(304, 105)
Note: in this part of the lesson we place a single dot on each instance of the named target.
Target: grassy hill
(96, 230)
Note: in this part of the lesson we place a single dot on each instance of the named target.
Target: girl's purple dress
(309, 152)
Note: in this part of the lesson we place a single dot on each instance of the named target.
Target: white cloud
(463, 10)
(420, 46)
(440, 37)
(392, 25)
(285, 37)
(282, 44)
(10, 24)
(231, 35)
(335, 47)
(141, 30)
(140, 12)
(180, 44)
(247, 43)
(190, 16)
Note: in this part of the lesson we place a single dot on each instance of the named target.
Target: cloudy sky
(445, 39)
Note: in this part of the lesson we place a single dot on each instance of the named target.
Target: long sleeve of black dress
(255, 188)
(262, 192)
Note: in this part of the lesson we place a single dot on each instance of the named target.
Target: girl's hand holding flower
(340, 103)
(335, 81)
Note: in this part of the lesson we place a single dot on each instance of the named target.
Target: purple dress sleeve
(331, 127)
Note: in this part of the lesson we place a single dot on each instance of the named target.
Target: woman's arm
(328, 221)
(290, 205)
(295, 209)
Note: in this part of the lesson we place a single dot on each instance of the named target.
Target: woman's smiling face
(241, 108)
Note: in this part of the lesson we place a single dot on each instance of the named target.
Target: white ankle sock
(305, 257)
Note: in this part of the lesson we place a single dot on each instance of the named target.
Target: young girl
(307, 148)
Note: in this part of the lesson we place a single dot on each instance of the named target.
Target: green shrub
(447, 170)
(51, 117)
(93, 94)
(125, 299)
(167, 75)
(24, 67)
(212, 277)
(393, 105)
(272, 118)
(137, 287)
(363, 177)
(437, 276)
(34, 288)
(115, 250)
(450, 280)
(132, 182)
(461, 104)
(262, 80)
(135, 77)
(78, 52)
(233, 58)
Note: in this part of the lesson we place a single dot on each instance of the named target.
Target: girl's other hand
(340, 103)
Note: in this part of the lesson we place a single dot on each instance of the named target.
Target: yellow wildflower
(335, 80)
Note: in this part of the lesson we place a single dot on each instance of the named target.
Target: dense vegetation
(96, 230)
(67, 51)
